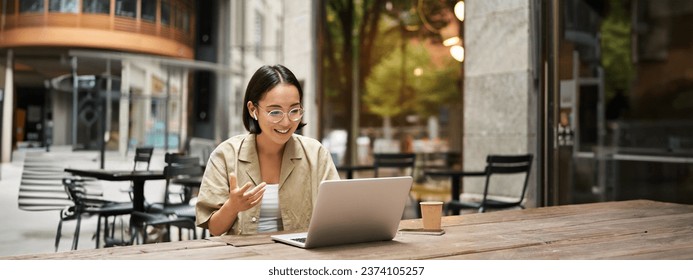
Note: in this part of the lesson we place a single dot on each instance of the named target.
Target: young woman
(266, 180)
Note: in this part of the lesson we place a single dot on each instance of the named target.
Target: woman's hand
(240, 199)
(244, 198)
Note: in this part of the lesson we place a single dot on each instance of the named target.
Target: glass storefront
(390, 81)
(147, 111)
(625, 127)
(616, 89)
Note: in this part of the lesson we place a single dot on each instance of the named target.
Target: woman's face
(283, 97)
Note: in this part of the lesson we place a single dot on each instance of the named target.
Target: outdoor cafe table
(455, 177)
(350, 169)
(636, 229)
(137, 177)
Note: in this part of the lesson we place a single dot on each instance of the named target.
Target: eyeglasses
(275, 116)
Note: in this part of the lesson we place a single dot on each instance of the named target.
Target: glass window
(96, 6)
(30, 6)
(179, 17)
(149, 10)
(126, 8)
(63, 6)
(9, 9)
(628, 124)
(186, 21)
(165, 13)
(408, 82)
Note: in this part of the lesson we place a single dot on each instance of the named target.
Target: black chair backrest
(143, 155)
(508, 164)
(202, 148)
(180, 166)
(76, 192)
(400, 161)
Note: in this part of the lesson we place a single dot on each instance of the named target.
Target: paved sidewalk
(30, 232)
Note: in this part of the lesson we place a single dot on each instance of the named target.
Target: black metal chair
(183, 170)
(86, 206)
(141, 221)
(496, 165)
(404, 162)
(143, 157)
(201, 148)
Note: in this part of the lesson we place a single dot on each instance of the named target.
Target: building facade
(598, 91)
(140, 72)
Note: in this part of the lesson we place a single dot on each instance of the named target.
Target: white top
(270, 216)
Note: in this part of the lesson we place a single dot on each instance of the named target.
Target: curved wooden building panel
(164, 28)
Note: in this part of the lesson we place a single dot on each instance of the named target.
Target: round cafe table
(455, 176)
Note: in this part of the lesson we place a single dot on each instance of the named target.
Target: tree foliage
(394, 88)
(616, 50)
(359, 35)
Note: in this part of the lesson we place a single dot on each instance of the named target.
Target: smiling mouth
(282, 131)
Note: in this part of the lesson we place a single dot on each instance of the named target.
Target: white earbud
(255, 115)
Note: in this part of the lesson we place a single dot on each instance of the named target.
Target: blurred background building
(140, 72)
(598, 90)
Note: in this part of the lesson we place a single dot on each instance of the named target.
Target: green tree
(356, 35)
(616, 50)
(413, 85)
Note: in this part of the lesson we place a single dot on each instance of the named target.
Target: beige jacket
(305, 164)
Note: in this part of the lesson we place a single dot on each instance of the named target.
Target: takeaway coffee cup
(431, 212)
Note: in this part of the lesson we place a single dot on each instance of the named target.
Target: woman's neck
(266, 147)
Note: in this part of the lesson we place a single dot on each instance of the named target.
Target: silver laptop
(354, 211)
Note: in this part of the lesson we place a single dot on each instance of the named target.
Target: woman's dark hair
(264, 80)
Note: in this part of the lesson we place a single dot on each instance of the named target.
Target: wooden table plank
(222, 252)
(618, 240)
(116, 252)
(637, 229)
(457, 241)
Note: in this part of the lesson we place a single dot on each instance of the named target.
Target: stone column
(299, 48)
(8, 109)
(499, 104)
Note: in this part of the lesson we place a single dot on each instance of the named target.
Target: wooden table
(638, 229)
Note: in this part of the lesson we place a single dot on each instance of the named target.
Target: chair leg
(418, 208)
(75, 239)
(122, 230)
(167, 236)
(98, 230)
(58, 233)
(113, 225)
(134, 233)
(144, 234)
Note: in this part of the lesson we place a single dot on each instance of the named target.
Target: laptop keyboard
(301, 239)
